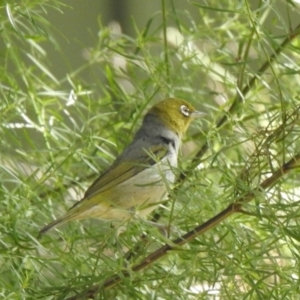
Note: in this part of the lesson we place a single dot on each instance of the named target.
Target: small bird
(140, 177)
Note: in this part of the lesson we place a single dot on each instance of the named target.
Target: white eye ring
(185, 110)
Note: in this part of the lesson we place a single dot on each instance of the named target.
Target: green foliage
(236, 60)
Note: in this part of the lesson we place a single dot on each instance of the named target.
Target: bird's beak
(197, 114)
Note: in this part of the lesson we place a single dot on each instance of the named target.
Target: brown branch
(197, 231)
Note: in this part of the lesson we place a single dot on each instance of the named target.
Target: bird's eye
(185, 110)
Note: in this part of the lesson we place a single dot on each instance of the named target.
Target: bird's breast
(143, 192)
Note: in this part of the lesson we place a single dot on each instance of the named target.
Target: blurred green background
(76, 77)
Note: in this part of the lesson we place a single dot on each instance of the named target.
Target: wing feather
(121, 171)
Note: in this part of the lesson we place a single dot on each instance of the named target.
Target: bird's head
(175, 114)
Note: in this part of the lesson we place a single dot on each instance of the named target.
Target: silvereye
(140, 177)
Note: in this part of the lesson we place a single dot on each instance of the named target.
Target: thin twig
(166, 55)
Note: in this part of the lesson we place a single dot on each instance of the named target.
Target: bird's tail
(53, 224)
(60, 221)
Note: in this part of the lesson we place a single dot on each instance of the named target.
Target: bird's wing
(121, 171)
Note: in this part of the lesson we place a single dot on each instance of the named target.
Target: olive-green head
(175, 114)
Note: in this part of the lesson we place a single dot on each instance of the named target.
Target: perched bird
(140, 177)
